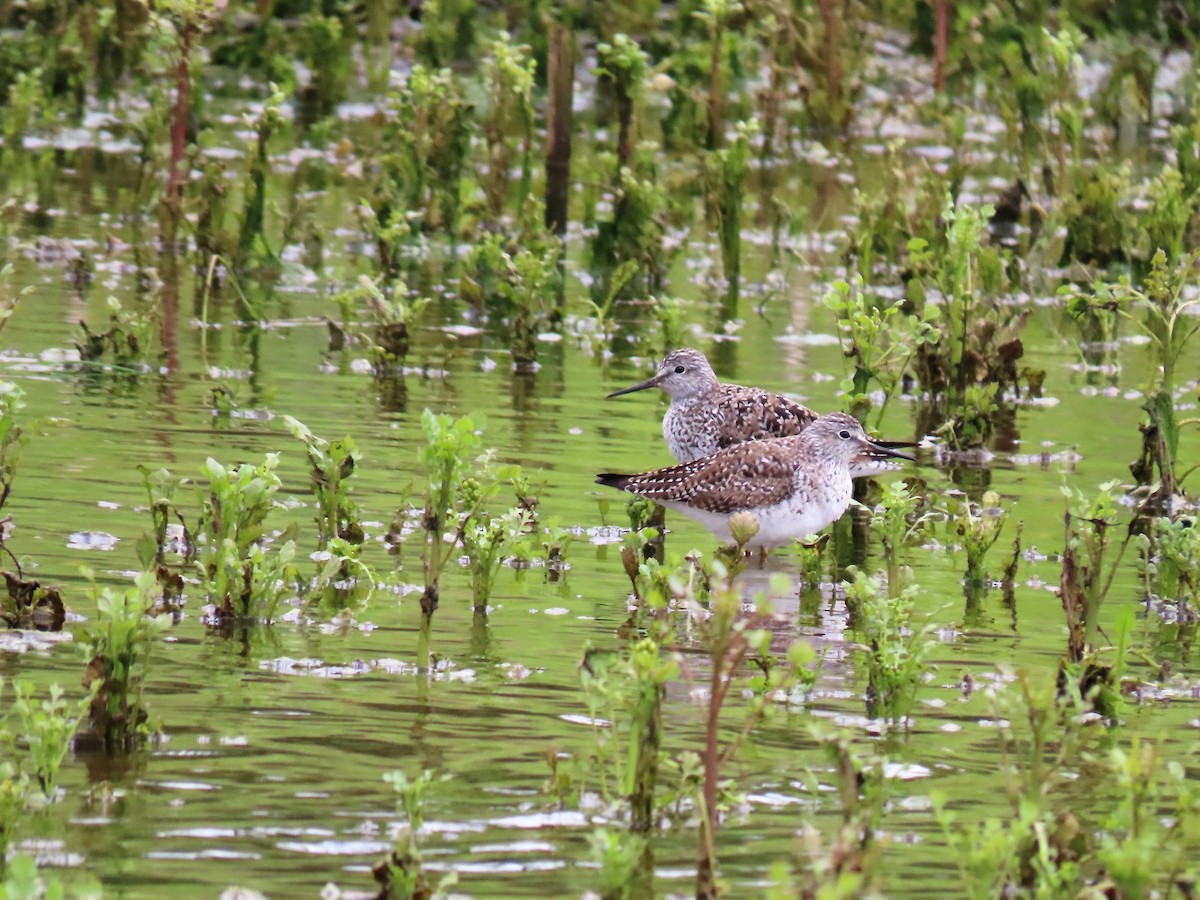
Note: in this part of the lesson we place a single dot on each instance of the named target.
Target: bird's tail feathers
(613, 479)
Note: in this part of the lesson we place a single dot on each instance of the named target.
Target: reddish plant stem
(560, 79)
(726, 661)
(183, 105)
(834, 27)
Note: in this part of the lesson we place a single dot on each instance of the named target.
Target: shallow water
(268, 773)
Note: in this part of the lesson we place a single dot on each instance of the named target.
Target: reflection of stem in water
(481, 635)
(1008, 599)
(429, 605)
(209, 280)
(391, 391)
(655, 548)
(810, 606)
(974, 590)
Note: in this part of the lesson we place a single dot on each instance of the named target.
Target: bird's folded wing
(751, 414)
(745, 477)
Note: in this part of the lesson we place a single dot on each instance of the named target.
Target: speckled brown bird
(706, 416)
(793, 486)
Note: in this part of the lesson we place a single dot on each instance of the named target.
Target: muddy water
(274, 741)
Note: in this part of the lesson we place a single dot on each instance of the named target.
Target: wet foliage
(973, 225)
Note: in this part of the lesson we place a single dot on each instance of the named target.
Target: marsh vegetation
(307, 312)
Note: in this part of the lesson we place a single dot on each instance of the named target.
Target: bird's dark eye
(844, 434)
(679, 370)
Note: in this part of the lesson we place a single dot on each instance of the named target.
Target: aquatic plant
(1087, 569)
(387, 307)
(637, 227)
(402, 875)
(252, 245)
(324, 44)
(978, 527)
(605, 325)
(35, 735)
(621, 67)
(532, 288)
(180, 27)
(485, 542)
(731, 637)
(128, 338)
(743, 526)
(902, 522)
(655, 582)
(617, 855)
(906, 205)
(726, 169)
(343, 580)
(212, 237)
(458, 483)
(23, 99)
(1126, 100)
(668, 312)
(9, 299)
(810, 560)
(1101, 230)
(1142, 853)
(508, 72)
(717, 16)
(12, 436)
(242, 579)
(976, 355)
(1042, 847)
(152, 547)
(15, 791)
(1039, 742)
(813, 47)
(894, 653)
(1168, 220)
(425, 147)
(41, 729)
(1160, 309)
(1029, 73)
(27, 603)
(332, 466)
(880, 340)
(1065, 104)
(626, 689)
(685, 124)
(1093, 313)
(848, 864)
(1185, 140)
(447, 32)
(1169, 563)
(118, 647)
(23, 878)
(518, 277)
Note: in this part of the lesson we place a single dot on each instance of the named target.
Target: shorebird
(706, 416)
(793, 486)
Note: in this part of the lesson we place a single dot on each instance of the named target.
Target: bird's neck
(694, 398)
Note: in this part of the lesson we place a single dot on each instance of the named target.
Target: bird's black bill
(640, 386)
(885, 449)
